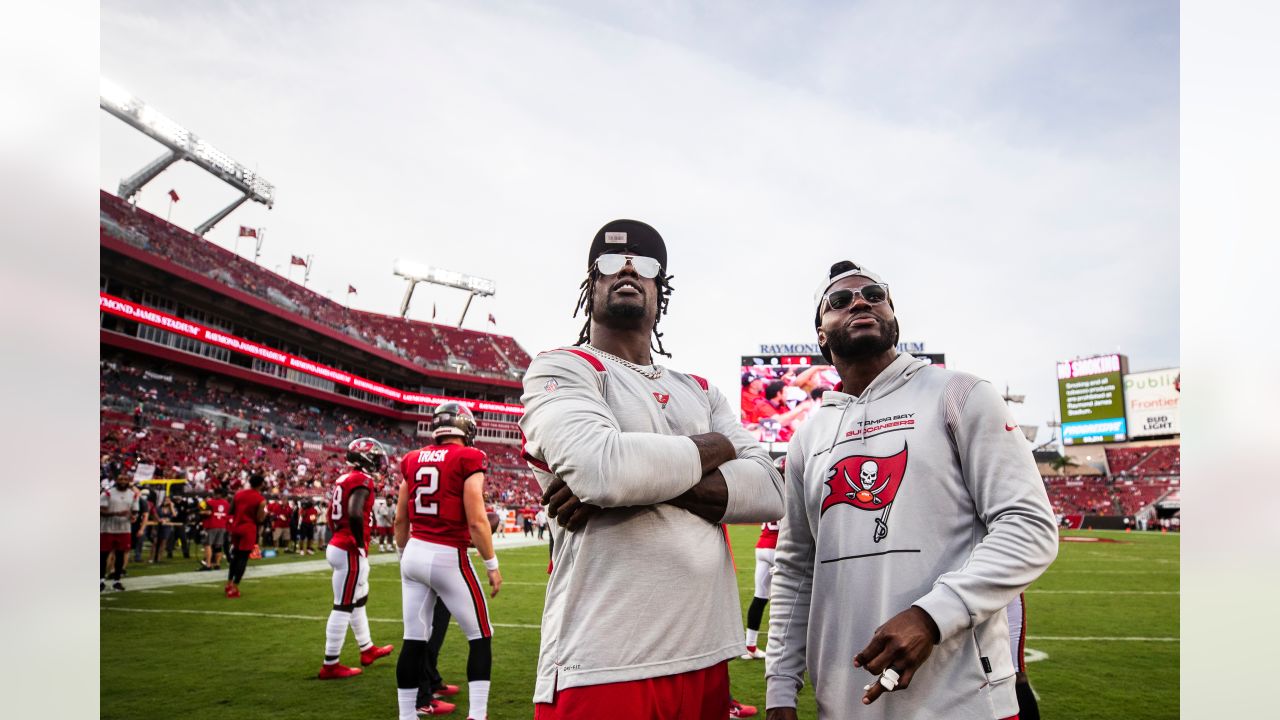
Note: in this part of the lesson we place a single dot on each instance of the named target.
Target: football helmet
(453, 419)
(368, 455)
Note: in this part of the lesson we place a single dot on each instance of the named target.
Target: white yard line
(276, 616)
(1103, 592)
(1071, 638)
(324, 618)
(258, 570)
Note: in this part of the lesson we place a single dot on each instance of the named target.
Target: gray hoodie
(921, 491)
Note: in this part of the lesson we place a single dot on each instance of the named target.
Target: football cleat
(117, 586)
(753, 653)
(436, 707)
(447, 691)
(368, 656)
(738, 710)
(102, 586)
(232, 591)
(337, 671)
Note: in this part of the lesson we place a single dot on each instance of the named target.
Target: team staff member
(217, 516)
(651, 461)
(118, 505)
(248, 511)
(914, 516)
(307, 527)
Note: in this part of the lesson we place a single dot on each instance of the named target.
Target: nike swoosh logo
(1009, 427)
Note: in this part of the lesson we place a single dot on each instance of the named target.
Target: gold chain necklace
(652, 374)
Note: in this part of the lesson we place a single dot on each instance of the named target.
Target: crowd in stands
(1139, 476)
(438, 347)
(212, 432)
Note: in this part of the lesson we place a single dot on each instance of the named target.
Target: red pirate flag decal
(867, 483)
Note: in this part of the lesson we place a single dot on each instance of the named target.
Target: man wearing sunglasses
(914, 515)
(640, 466)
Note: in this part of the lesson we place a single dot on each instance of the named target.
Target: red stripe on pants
(477, 595)
(353, 577)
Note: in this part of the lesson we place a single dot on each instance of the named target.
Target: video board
(1151, 402)
(1091, 399)
(797, 381)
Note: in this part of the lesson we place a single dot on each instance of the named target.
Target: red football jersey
(247, 502)
(435, 475)
(309, 515)
(280, 514)
(768, 535)
(219, 513)
(338, 516)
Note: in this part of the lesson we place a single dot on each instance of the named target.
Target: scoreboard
(1091, 399)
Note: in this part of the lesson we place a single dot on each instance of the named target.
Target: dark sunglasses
(612, 264)
(873, 293)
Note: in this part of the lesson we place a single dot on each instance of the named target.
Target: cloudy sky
(1009, 168)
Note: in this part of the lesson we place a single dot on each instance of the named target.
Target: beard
(841, 342)
(623, 310)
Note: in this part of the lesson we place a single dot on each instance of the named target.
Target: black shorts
(305, 531)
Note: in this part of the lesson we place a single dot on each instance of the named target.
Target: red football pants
(695, 695)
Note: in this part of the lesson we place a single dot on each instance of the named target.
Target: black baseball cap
(628, 237)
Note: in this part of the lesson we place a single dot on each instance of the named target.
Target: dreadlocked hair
(585, 305)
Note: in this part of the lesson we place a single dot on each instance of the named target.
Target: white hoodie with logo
(921, 491)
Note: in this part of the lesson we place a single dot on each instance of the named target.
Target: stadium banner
(1151, 402)
(803, 375)
(156, 318)
(1091, 399)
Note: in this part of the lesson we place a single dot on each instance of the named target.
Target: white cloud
(1016, 227)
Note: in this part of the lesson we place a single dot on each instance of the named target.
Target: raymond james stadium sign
(813, 349)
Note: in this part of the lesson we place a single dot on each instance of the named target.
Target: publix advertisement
(1151, 402)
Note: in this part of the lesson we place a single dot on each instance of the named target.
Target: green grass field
(1103, 622)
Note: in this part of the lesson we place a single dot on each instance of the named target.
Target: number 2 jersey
(435, 475)
(339, 518)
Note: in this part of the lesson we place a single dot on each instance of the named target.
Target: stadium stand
(184, 422)
(1133, 495)
(438, 347)
(1139, 477)
(1120, 460)
(1079, 494)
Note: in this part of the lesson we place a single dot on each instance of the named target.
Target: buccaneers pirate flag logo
(867, 483)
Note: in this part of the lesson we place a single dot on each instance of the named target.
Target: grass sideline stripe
(1070, 638)
(1103, 592)
(276, 616)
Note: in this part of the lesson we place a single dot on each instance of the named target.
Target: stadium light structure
(181, 144)
(415, 273)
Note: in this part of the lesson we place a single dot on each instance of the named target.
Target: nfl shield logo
(551, 385)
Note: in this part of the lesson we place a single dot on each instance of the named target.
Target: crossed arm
(572, 434)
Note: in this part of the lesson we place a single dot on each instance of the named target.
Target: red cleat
(337, 671)
(233, 591)
(738, 710)
(448, 691)
(373, 653)
(437, 707)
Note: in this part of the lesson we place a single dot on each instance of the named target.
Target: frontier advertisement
(1091, 399)
(1151, 402)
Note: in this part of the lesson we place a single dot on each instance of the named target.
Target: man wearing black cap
(640, 467)
(914, 515)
